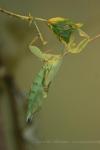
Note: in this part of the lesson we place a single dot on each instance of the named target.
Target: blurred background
(70, 117)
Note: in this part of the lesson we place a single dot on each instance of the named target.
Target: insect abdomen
(35, 95)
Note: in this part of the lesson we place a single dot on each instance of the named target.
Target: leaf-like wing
(35, 95)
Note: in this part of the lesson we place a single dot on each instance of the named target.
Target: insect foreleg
(83, 34)
(73, 48)
(40, 34)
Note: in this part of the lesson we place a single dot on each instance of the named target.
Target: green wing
(35, 95)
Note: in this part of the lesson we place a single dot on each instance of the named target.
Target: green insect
(64, 29)
(51, 65)
(42, 82)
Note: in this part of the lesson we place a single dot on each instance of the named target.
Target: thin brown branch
(29, 18)
(26, 18)
(94, 38)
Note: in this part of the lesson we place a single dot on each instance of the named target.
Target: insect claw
(29, 119)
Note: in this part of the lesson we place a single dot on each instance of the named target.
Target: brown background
(72, 111)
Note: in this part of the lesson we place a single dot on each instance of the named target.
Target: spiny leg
(83, 34)
(72, 47)
(40, 34)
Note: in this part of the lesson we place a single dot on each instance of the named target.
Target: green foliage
(63, 28)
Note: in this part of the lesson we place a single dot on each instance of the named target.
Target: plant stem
(29, 18)
(94, 38)
(40, 34)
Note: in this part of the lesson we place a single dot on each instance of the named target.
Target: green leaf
(63, 27)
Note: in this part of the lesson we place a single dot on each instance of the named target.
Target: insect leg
(83, 34)
(40, 34)
(74, 48)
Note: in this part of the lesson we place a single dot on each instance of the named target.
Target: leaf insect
(49, 69)
(64, 29)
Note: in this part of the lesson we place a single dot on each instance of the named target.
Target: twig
(94, 38)
(29, 18)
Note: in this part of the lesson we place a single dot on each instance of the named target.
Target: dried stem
(94, 38)
(29, 18)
